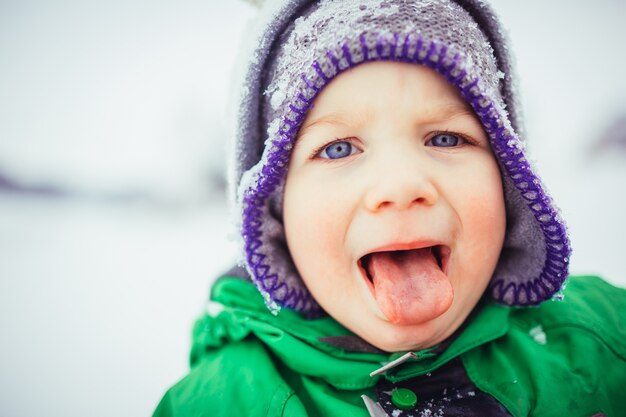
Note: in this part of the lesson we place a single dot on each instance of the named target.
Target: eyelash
(465, 138)
(468, 141)
(315, 154)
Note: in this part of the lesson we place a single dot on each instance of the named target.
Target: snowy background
(113, 219)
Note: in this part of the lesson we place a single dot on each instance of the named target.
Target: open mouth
(408, 282)
(440, 254)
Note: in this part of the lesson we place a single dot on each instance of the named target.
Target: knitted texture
(305, 45)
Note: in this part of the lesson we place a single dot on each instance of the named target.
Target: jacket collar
(287, 331)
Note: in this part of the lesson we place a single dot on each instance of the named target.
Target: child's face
(391, 160)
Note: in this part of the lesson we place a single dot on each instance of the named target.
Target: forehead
(356, 96)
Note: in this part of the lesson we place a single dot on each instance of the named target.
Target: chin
(400, 338)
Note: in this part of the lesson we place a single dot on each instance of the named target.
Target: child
(402, 258)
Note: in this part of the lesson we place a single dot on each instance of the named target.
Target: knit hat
(303, 45)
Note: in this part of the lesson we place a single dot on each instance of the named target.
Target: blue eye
(337, 150)
(445, 140)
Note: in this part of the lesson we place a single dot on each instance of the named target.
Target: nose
(401, 185)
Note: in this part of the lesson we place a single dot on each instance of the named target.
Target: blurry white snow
(97, 301)
(97, 298)
(538, 335)
(109, 99)
(116, 95)
(569, 64)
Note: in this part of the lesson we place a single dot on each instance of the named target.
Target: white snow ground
(97, 301)
(98, 294)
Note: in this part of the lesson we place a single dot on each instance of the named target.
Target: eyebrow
(335, 118)
(445, 112)
(432, 114)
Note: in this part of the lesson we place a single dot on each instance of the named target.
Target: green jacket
(562, 358)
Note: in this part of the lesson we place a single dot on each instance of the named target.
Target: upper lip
(441, 251)
(419, 244)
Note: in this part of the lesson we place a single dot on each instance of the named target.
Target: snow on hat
(303, 45)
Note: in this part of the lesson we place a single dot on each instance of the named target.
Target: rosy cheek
(479, 202)
(310, 222)
(487, 214)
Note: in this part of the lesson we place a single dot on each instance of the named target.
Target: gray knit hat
(303, 45)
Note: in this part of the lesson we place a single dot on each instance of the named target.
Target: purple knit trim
(364, 48)
(406, 45)
(308, 84)
(381, 41)
(503, 142)
(319, 71)
(346, 53)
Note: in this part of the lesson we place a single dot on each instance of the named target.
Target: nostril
(401, 195)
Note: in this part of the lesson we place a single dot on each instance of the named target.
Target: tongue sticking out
(409, 286)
